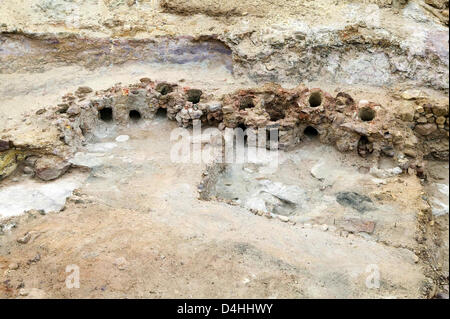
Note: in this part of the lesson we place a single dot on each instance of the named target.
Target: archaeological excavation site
(161, 149)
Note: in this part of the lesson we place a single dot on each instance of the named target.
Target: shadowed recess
(315, 99)
(106, 114)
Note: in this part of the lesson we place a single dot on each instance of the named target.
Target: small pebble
(13, 266)
(122, 138)
(284, 219)
(23, 292)
(25, 239)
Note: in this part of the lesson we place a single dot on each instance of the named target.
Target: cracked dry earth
(91, 91)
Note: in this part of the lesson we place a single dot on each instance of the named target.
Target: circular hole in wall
(311, 132)
(164, 88)
(161, 113)
(246, 103)
(135, 116)
(276, 111)
(365, 147)
(315, 99)
(194, 95)
(366, 114)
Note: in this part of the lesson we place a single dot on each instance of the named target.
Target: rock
(215, 107)
(35, 259)
(23, 292)
(441, 295)
(25, 239)
(4, 145)
(428, 108)
(83, 90)
(120, 263)
(62, 108)
(145, 80)
(28, 170)
(283, 218)
(122, 138)
(422, 120)
(164, 88)
(440, 120)
(32, 293)
(319, 171)
(50, 168)
(410, 152)
(35, 213)
(379, 181)
(413, 94)
(439, 110)
(438, 4)
(426, 129)
(407, 116)
(388, 151)
(385, 173)
(411, 141)
(359, 202)
(13, 266)
(287, 193)
(276, 198)
(227, 109)
(73, 110)
(256, 203)
(356, 225)
(406, 113)
(420, 109)
(195, 114)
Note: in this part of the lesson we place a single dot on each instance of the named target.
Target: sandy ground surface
(137, 229)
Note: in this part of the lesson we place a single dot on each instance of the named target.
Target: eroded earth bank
(346, 198)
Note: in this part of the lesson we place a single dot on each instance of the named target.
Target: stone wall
(365, 128)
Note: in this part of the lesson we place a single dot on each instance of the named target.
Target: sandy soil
(130, 238)
(136, 227)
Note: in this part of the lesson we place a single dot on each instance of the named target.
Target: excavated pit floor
(136, 228)
(133, 223)
(305, 186)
